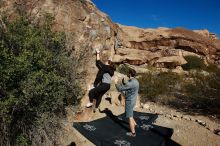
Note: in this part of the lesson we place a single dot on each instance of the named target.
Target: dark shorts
(129, 108)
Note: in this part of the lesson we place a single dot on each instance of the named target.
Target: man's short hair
(132, 72)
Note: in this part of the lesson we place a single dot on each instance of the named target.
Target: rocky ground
(188, 130)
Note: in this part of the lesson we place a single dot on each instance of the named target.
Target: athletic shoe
(131, 134)
(89, 105)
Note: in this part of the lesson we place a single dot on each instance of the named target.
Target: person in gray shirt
(130, 90)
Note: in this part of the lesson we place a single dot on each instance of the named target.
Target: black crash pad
(111, 131)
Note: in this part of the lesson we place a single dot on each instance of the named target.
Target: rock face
(206, 33)
(84, 25)
(164, 47)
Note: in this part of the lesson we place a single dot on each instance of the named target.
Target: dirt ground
(188, 130)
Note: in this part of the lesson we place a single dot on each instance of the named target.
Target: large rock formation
(164, 47)
(84, 25)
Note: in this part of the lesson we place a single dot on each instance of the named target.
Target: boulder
(178, 60)
(198, 43)
(200, 122)
(146, 106)
(217, 132)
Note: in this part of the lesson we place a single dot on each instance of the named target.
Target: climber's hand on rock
(97, 50)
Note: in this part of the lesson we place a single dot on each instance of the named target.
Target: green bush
(35, 78)
(196, 92)
(153, 85)
(212, 68)
(203, 92)
(194, 62)
(21, 141)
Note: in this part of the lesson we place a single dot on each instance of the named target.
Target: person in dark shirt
(102, 82)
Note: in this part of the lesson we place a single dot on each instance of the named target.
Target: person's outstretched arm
(99, 64)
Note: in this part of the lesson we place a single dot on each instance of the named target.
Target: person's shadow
(120, 122)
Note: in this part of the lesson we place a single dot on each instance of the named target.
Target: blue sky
(191, 14)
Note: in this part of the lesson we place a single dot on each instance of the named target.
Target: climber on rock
(102, 82)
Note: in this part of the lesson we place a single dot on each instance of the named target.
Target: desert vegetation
(36, 81)
(196, 91)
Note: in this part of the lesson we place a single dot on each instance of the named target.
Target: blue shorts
(129, 106)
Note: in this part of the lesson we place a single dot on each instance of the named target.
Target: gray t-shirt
(106, 78)
(130, 89)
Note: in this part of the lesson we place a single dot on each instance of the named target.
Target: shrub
(35, 77)
(212, 68)
(153, 85)
(21, 141)
(194, 93)
(194, 62)
(203, 92)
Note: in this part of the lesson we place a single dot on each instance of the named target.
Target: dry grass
(195, 93)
